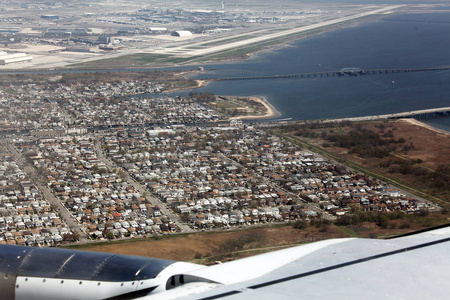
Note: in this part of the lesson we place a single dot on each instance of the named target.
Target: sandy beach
(201, 83)
(271, 111)
(421, 124)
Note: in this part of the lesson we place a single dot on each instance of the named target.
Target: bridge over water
(423, 113)
(352, 71)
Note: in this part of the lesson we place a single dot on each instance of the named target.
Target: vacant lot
(431, 148)
(205, 244)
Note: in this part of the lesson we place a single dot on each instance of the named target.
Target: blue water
(442, 123)
(401, 41)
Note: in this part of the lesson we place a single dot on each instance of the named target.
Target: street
(46, 192)
(140, 188)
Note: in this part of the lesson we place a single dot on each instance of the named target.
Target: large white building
(182, 33)
(6, 58)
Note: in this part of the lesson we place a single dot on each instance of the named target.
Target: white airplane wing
(411, 267)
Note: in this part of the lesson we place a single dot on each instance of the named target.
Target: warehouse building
(157, 30)
(6, 58)
(10, 30)
(182, 33)
(50, 17)
(66, 31)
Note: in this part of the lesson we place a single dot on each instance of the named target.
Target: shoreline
(424, 125)
(201, 83)
(272, 112)
(336, 24)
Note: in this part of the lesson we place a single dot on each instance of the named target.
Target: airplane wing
(411, 267)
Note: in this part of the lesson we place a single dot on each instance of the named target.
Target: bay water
(400, 41)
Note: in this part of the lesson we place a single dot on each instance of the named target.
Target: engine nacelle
(53, 273)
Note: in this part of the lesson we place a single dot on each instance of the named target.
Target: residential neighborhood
(56, 109)
(26, 217)
(222, 176)
(99, 199)
(120, 160)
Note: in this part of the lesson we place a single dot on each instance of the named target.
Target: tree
(383, 221)
(185, 217)
(76, 236)
(300, 224)
(110, 235)
(122, 174)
